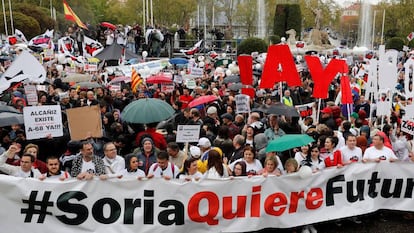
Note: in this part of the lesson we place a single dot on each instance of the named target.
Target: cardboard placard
(84, 122)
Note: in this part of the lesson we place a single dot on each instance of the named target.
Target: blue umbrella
(178, 61)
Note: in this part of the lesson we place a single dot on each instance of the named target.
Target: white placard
(31, 95)
(242, 103)
(197, 72)
(188, 133)
(407, 126)
(40, 121)
(383, 108)
(191, 83)
(165, 87)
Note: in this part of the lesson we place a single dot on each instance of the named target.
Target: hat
(327, 110)
(63, 95)
(204, 142)
(355, 115)
(227, 116)
(211, 110)
(147, 139)
(195, 152)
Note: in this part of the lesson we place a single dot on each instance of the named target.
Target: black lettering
(130, 206)
(372, 185)
(409, 188)
(148, 207)
(350, 191)
(177, 212)
(97, 210)
(330, 190)
(386, 185)
(79, 210)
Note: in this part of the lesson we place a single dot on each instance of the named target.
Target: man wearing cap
(327, 119)
(228, 121)
(64, 101)
(211, 119)
(205, 145)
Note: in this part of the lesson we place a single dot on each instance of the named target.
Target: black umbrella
(235, 86)
(281, 109)
(6, 108)
(232, 79)
(10, 118)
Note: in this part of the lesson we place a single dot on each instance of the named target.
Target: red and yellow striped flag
(70, 15)
(135, 80)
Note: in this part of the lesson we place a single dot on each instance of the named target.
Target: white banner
(43, 120)
(237, 205)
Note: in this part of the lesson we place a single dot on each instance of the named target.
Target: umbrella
(288, 141)
(88, 85)
(159, 78)
(202, 100)
(108, 25)
(10, 118)
(119, 79)
(281, 109)
(178, 61)
(76, 77)
(232, 79)
(148, 110)
(262, 109)
(6, 108)
(223, 62)
(235, 86)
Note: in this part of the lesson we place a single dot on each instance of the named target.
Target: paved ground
(388, 222)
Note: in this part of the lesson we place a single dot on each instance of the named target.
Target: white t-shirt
(299, 157)
(373, 153)
(138, 173)
(213, 174)
(114, 167)
(156, 170)
(347, 154)
(88, 167)
(255, 166)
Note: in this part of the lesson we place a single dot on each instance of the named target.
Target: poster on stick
(42, 121)
(84, 122)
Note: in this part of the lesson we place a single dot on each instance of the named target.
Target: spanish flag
(70, 15)
(135, 80)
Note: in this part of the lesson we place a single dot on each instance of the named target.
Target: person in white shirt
(26, 162)
(190, 171)
(379, 152)
(216, 169)
(351, 153)
(114, 164)
(253, 165)
(132, 170)
(54, 172)
(163, 168)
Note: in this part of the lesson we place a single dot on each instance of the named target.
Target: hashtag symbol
(36, 207)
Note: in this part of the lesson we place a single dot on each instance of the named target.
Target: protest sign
(31, 94)
(84, 122)
(188, 133)
(242, 103)
(165, 87)
(41, 121)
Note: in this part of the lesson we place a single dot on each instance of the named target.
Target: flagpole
(147, 10)
(382, 30)
(5, 19)
(152, 16)
(319, 109)
(11, 18)
(143, 20)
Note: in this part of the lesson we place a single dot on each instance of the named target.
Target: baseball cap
(204, 142)
(327, 110)
(195, 152)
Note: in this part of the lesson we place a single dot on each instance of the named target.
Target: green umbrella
(148, 110)
(288, 141)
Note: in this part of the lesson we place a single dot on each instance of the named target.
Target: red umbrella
(202, 100)
(108, 25)
(159, 78)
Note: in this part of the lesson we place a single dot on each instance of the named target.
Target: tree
(252, 44)
(395, 43)
(246, 14)
(27, 24)
(38, 13)
(287, 16)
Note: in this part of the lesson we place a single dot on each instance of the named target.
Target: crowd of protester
(230, 144)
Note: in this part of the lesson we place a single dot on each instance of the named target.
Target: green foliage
(287, 16)
(252, 44)
(396, 43)
(411, 44)
(39, 14)
(274, 39)
(27, 24)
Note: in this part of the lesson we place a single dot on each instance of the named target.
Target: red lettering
(213, 208)
(294, 199)
(255, 203)
(240, 208)
(275, 204)
(314, 198)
